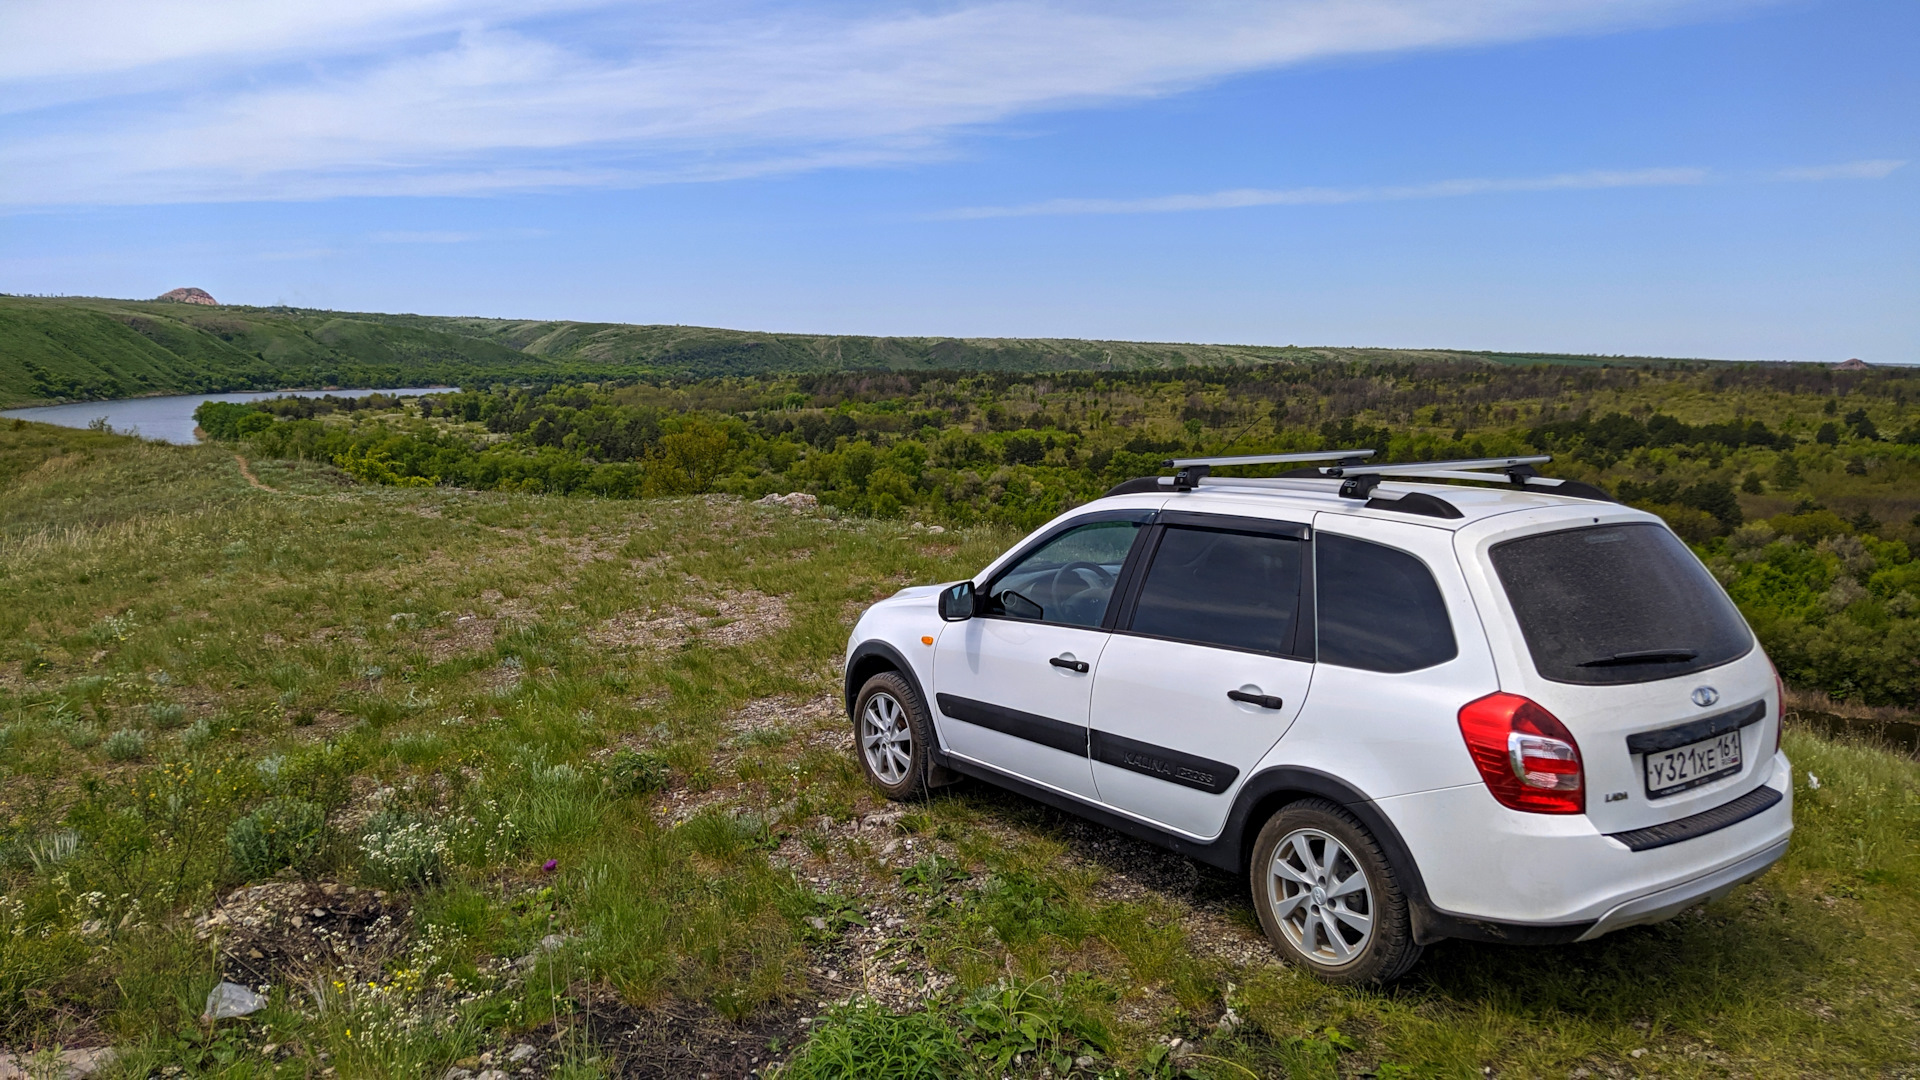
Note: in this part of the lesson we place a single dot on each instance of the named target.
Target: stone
(229, 1000)
(520, 1053)
(798, 500)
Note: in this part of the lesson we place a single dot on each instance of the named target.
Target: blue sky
(1674, 177)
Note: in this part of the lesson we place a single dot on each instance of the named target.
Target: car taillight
(1525, 754)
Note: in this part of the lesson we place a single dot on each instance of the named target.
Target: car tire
(1328, 897)
(893, 737)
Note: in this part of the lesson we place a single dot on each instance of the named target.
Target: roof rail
(1192, 469)
(1358, 481)
(1359, 477)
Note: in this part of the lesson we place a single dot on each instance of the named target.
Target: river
(170, 419)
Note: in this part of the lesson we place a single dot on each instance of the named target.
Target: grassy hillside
(66, 349)
(82, 349)
(454, 772)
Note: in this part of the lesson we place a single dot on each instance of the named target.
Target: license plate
(1691, 765)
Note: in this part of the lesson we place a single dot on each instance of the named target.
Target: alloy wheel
(886, 738)
(1320, 897)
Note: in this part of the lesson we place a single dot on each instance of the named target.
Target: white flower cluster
(404, 849)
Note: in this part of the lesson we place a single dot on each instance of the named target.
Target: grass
(636, 851)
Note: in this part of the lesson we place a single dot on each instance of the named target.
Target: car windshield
(1618, 604)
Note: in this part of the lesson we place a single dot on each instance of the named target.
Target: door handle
(1265, 701)
(1071, 665)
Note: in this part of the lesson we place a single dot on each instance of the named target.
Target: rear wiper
(1643, 656)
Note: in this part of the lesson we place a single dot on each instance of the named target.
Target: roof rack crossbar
(1432, 468)
(1266, 459)
(1192, 470)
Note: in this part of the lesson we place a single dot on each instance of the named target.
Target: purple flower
(550, 866)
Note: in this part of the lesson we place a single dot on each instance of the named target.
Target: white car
(1407, 711)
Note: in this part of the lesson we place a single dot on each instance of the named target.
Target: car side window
(1239, 590)
(1380, 609)
(1068, 579)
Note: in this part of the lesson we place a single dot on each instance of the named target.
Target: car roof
(1296, 495)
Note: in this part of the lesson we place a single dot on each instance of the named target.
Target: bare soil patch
(268, 933)
(736, 618)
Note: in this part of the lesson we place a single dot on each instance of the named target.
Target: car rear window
(1617, 604)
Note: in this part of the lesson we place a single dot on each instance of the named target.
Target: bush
(197, 736)
(635, 772)
(166, 716)
(125, 745)
(283, 833)
(402, 850)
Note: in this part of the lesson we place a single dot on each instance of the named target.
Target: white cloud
(1244, 197)
(1305, 196)
(235, 99)
(1877, 169)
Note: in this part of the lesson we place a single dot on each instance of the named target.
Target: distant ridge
(90, 348)
(189, 296)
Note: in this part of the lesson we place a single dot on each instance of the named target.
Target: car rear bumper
(1665, 904)
(1498, 875)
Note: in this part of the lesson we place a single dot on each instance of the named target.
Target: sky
(1735, 179)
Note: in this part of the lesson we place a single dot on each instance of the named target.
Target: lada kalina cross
(1407, 711)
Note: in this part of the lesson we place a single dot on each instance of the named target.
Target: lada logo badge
(1705, 696)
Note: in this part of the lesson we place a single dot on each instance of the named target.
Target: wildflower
(550, 866)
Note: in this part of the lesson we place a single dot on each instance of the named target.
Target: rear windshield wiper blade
(1642, 656)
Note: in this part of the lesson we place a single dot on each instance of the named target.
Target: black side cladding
(1164, 763)
(1045, 730)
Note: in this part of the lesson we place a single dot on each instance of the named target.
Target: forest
(1799, 485)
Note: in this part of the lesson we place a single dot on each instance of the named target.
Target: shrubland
(1800, 486)
(449, 771)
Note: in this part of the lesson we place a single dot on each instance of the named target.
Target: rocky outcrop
(189, 296)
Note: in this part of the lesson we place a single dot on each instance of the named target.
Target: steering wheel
(1099, 571)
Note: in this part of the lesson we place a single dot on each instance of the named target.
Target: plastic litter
(229, 1000)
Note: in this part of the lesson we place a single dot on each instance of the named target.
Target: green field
(83, 348)
(329, 737)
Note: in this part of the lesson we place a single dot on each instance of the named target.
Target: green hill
(82, 348)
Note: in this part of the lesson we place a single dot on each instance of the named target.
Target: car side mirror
(957, 602)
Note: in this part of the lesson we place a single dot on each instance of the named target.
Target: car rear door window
(1380, 609)
(1237, 590)
(1612, 604)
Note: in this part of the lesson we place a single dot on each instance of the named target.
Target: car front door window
(1067, 580)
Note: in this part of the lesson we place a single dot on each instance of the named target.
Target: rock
(552, 942)
(798, 500)
(66, 1065)
(520, 1053)
(936, 530)
(1642, 1052)
(1083, 1062)
(817, 922)
(491, 1074)
(458, 1073)
(230, 1000)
